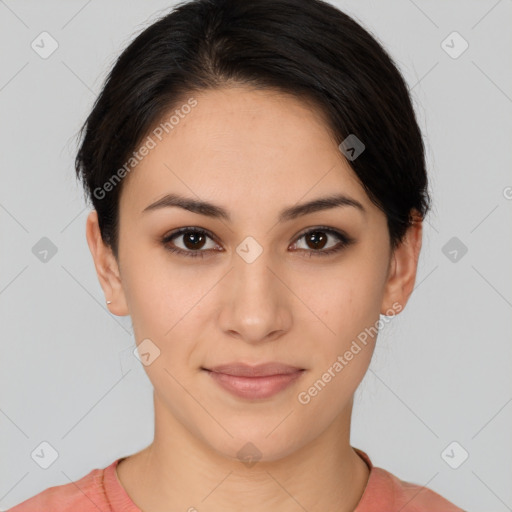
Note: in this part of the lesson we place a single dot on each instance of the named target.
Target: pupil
(317, 237)
(194, 238)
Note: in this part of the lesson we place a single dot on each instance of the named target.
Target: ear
(106, 267)
(402, 269)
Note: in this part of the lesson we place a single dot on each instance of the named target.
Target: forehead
(241, 145)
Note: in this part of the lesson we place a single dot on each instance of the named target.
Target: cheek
(159, 294)
(169, 305)
(343, 348)
(349, 300)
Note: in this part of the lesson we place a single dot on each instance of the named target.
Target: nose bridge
(256, 306)
(253, 279)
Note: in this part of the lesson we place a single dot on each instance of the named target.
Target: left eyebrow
(290, 213)
(322, 203)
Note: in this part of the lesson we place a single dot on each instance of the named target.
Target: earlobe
(402, 271)
(106, 266)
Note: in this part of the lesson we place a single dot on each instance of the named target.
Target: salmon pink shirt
(101, 491)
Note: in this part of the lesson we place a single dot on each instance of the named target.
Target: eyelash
(345, 241)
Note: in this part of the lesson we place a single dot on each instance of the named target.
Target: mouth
(254, 382)
(260, 370)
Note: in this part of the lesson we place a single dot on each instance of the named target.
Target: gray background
(442, 369)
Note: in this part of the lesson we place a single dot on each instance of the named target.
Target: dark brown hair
(309, 49)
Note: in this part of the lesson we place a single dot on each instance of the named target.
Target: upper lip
(260, 370)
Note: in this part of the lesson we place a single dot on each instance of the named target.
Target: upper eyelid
(182, 231)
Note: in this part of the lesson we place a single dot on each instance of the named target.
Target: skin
(253, 153)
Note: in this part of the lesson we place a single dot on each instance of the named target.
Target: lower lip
(254, 387)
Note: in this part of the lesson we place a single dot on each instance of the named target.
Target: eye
(318, 240)
(193, 240)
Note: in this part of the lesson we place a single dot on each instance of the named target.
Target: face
(265, 281)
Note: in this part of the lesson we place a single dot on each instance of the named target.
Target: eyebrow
(218, 212)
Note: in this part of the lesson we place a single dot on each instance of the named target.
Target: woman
(259, 185)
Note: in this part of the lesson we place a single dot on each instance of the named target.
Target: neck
(179, 470)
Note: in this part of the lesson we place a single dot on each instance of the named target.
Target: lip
(254, 382)
(260, 370)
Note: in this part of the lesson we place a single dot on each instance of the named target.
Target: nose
(255, 302)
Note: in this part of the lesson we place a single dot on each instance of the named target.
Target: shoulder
(411, 497)
(83, 495)
(385, 491)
